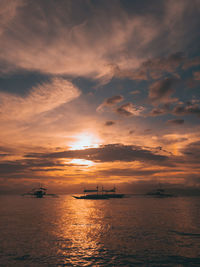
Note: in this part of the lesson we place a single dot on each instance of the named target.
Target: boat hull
(104, 196)
(91, 197)
(115, 195)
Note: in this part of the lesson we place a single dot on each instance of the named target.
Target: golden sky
(99, 92)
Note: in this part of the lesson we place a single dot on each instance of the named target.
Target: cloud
(191, 63)
(111, 101)
(157, 112)
(107, 153)
(197, 75)
(135, 92)
(153, 68)
(83, 39)
(188, 109)
(161, 91)
(42, 98)
(192, 151)
(109, 123)
(129, 109)
(8, 11)
(176, 121)
(132, 172)
(78, 39)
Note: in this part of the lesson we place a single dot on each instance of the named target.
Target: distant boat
(103, 194)
(160, 193)
(39, 192)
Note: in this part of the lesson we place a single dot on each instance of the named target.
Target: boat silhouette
(39, 192)
(99, 194)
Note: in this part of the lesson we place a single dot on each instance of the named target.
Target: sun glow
(85, 140)
(82, 162)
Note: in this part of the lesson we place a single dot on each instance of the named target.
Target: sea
(132, 231)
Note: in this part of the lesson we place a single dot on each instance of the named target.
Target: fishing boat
(99, 194)
(88, 194)
(111, 193)
(38, 192)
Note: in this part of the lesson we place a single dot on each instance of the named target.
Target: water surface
(134, 231)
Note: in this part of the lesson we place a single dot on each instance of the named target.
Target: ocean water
(133, 231)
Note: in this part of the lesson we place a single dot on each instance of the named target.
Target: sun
(85, 140)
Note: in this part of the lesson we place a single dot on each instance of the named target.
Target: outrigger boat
(39, 192)
(103, 194)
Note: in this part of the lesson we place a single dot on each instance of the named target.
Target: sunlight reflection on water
(116, 232)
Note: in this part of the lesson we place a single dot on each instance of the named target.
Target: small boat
(39, 192)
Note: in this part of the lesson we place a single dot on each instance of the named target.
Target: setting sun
(85, 140)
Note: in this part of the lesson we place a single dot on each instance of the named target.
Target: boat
(111, 193)
(39, 192)
(159, 193)
(93, 196)
(103, 194)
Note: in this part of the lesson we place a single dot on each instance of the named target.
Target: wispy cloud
(41, 98)
(90, 43)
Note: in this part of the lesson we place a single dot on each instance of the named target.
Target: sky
(99, 92)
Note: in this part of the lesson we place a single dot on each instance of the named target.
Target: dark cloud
(176, 121)
(108, 153)
(139, 74)
(128, 109)
(4, 155)
(147, 130)
(191, 63)
(109, 123)
(113, 100)
(187, 109)
(125, 109)
(164, 109)
(153, 68)
(192, 150)
(128, 172)
(161, 91)
(6, 149)
(157, 112)
(8, 168)
(159, 66)
(196, 75)
(46, 170)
